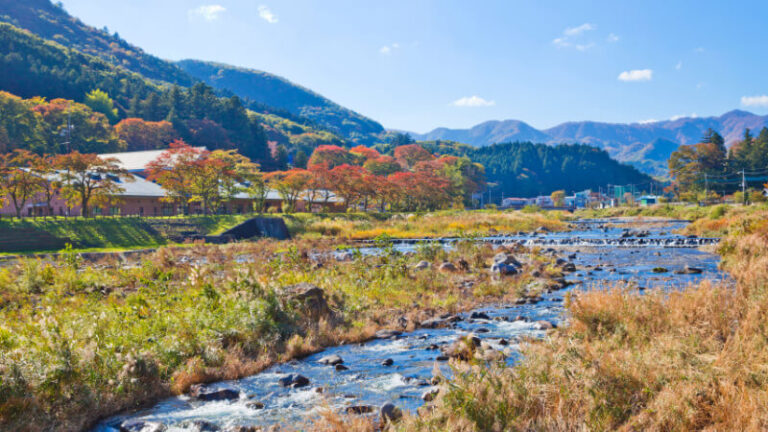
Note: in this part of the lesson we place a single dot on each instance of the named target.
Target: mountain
(266, 89)
(646, 145)
(487, 133)
(262, 92)
(50, 21)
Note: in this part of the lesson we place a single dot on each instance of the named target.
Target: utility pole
(744, 186)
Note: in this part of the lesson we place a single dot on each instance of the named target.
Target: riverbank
(80, 342)
(687, 360)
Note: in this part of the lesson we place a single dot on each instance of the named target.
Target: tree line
(707, 169)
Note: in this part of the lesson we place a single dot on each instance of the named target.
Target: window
(114, 211)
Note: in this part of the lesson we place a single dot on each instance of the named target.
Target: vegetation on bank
(684, 360)
(80, 342)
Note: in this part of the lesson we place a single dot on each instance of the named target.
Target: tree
(290, 185)
(382, 166)
(19, 183)
(145, 135)
(258, 191)
(364, 153)
(409, 155)
(348, 182)
(78, 126)
(332, 156)
(174, 170)
(223, 175)
(99, 101)
(280, 157)
(89, 180)
(558, 198)
(50, 183)
(300, 159)
(20, 126)
(401, 139)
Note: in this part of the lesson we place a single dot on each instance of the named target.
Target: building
(648, 200)
(516, 202)
(141, 197)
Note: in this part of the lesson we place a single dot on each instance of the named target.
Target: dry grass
(690, 360)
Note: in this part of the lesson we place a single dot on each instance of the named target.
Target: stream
(604, 252)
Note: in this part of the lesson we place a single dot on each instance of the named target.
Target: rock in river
(141, 426)
(360, 409)
(387, 334)
(294, 381)
(331, 360)
(389, 412)
(202, 393)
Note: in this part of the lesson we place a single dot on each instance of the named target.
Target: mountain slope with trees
(263, 88)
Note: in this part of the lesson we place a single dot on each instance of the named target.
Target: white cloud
(613, 37)
(649, 121)
(571, 33)
(636, 75)
(388, 49)
(679, 65)
(755, 101)
(682, 116)
(266, 14)
(472, 102)
(208, 12)
(575, 31)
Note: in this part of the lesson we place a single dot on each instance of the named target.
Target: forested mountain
(272, 90)
(524, 169)
(50, 21)
(626, 142)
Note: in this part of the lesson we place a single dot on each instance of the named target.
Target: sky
(420, 64)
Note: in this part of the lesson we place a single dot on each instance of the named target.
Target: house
(544, 201)
(516, 202)
(648, 200)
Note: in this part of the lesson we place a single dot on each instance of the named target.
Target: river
(604, 252)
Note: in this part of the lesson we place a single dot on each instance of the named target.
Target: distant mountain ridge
(635, 143)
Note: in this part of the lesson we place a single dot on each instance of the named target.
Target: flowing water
(604, 253)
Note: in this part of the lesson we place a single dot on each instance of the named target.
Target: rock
(433, 347)
(544, 325)
(386, 334)
(660, 270)
(422, 265)
(388, 362)
(390, 413)
(201, 392)
(463, 348)
(569, 267)
(503, 342)
(243, 429)
(693, 270)
(294, 381)
(340, 368)
(434, 323)
(360, 409)
(505, 258)
(463, 264)
(200, 426)
(430, 395)
(542, 229)
(479, 315)
(311, 297)
(255, 405)
(448, 267)
(503, 269)
(141, 426)
(331, 360)
(442, 358)
(482, 330)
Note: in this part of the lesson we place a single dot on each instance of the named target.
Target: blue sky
(419, 64)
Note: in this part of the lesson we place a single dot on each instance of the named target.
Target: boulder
(390, 413)
(544, 325)
(293, 381)
(388, 362)
(503, 269)
(505, 258)
(387, 334)
(434, 323)
(448, 267)
(255, 405)
(479, 315)
(360, 409)
(243, 429)
(200, 426)
(201, 392)
(422, 265)
(141, 426)
(660, 270)
(429, 395)
(331, 360)
(568, 267)
(340, 368)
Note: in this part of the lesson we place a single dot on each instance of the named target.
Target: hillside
(52, 22)
(626, 142)
(274, 91)
(524, 169)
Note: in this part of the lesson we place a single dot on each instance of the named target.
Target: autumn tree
(174, 170)
(409, 155)
(89, 180)
(364, 153)
(348, 183)
(100, 102)
(290, 185)
(20, 126)
(145, 135)
(558, 198)
(50, 181)
(74, 126)
(332, 156)
(19, 183)
(382, 166)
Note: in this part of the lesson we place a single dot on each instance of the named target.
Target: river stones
(360, 409)
(690, 270)
(331, 360)
(434, 323)
(448, 267)
(201, 392)
(340, 368)
(505, 258)
(200, 426)
(387, 334)
(293, 381)
(243, 429)
(479, 315)
(544, 325)
(141, 426)
(422, 265)
(390, 413)
(388, 362)
(503, 342)
(660, 270)
(430, 395)
(568, 267)
(463, 348)
(255, 405)
(502, 269)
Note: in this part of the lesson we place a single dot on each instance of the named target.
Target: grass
(80, 342)
(690, 360)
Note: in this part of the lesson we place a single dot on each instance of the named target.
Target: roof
(138, 160)
(141, 187)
